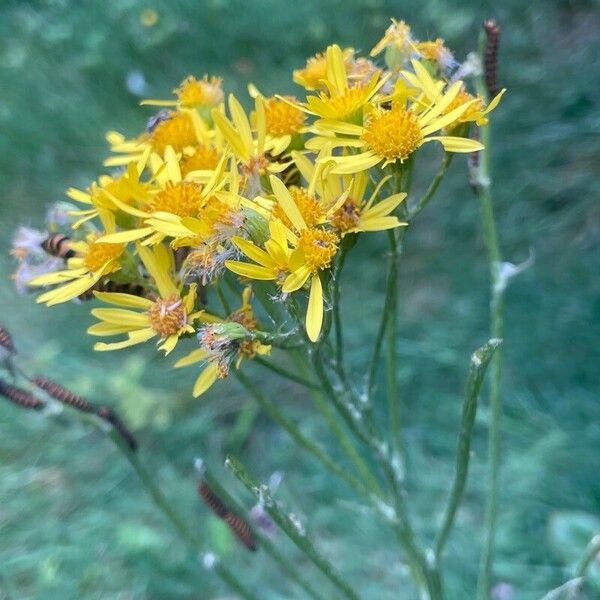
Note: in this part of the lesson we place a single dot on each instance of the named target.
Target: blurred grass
(73, 520)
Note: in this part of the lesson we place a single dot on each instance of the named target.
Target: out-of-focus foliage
(74, 522)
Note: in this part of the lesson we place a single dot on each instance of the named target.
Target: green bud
(257, 226)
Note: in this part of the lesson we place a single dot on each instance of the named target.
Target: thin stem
(223, 299)
(316, 451)
(335, 300)
(433, 186)
(290, 527)
(497, 325)
(286, 374)
(479, 363)
(392, 324)
(264, 541)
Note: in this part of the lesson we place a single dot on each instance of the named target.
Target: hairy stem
(290, 528)
(479, 363)
(391, 355)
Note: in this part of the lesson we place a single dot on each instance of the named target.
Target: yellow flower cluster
(213, 200)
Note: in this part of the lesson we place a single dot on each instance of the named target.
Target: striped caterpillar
(20, 396)
(491, 57)
(62, 394)
(237, 524)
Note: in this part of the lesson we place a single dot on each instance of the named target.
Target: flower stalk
(297, 535)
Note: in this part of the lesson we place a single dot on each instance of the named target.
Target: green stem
(339, 334)
(324, 407)
(290, 528)
(285, 373)
(316, 451)
(223, 299)
(391, 355)
(264, 541)
(479, 363)
(433, 186)
(497, 325)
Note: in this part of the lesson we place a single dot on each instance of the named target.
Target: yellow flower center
(167, 316)
(182, 199)
(176, 131)
(319, 247)
(345, 106)
(193, 92)
(205, 158)
(347, 216)
(100, 253)
(308, 206)
(282, 118)
(393, 134)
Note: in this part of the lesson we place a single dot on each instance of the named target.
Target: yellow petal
(253, 252)
(122, 237)
(314, 312)
(156, 268)
(457, 144)
(287, 203)
(193, 357)
(135, 337)
(105, 328)
(240, 121)
(169, 344)
(120, 316)
(249, 270)
(296, 280)
(124, 299)
(205, 380)
(346, 165)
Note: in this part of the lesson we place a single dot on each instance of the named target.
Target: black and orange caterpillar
(237, 524)
(491, 57)
(20, 396)
(62, 394)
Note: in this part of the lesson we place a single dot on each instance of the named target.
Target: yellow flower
(168, 317)
(220, 348)
(314, 252)
(315, 71)
(173, 199)
(94, 259)
(193, 93)
(249, 147)
(341, 101)
(389, 136)
(271, 264)
(182, 130)
(127, 187)
(284, 121)
(343, 203)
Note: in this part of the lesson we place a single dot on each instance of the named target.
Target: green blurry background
(74, 523)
